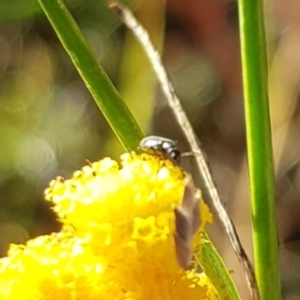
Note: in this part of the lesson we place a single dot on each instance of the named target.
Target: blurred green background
(49, 125)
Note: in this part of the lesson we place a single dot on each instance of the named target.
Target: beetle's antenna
(205, 175)
(190, 153)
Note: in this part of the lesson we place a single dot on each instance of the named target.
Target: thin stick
(205, 174)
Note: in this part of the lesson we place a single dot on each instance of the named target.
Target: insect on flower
(158, 145)
(187, 216)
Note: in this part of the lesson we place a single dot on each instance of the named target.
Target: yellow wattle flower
(117, 240)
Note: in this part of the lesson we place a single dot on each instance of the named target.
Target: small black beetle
(162, 146)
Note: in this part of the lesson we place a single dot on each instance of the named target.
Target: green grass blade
(106, 96)
(259, 142)
(213, 266)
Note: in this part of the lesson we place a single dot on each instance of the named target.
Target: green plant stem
(106, 96)
(214, 268)
(259, 143)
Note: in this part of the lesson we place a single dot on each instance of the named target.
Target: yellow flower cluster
(117, 240)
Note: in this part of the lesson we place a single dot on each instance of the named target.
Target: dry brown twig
(205, 175)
